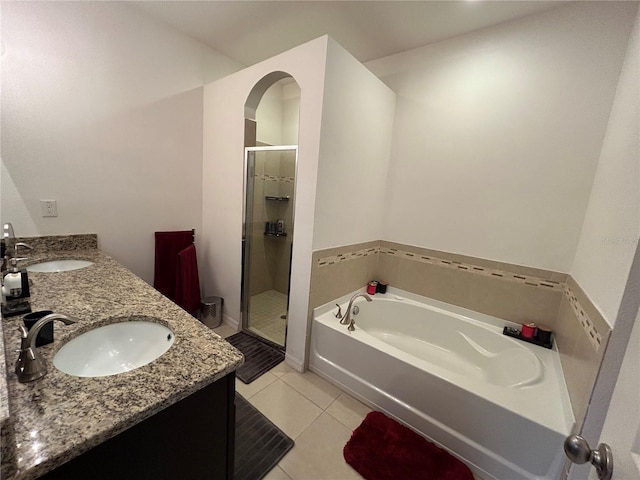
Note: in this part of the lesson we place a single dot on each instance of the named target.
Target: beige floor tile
(248, 391)
(317, 454)
(281, 369)
(349, 411)
(277, 474)
(319, 391)
(285, 407)
(225, 330)
(266, 311)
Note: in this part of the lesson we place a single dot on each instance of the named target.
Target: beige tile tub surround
(342, 276)
(513, 292)
(582, 334)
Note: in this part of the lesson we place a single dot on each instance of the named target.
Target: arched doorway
(271, 137)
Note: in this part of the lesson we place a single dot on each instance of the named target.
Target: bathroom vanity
(172, 418)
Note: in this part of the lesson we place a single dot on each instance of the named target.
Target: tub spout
(346, 319)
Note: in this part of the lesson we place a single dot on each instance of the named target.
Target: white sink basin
(114, 348)
(58, 266)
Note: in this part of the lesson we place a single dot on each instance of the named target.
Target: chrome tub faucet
(346, 319)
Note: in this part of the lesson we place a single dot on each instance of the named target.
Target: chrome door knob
(578, 451)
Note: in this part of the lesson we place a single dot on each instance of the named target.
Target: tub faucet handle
(339, 312)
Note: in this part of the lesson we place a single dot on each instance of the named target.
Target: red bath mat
(382, 449)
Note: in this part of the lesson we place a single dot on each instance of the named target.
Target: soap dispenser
(13, 281)
(15, 290)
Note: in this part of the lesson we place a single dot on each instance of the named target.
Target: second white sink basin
(114, 348)
(58, 266)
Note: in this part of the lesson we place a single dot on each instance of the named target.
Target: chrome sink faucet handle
(16, 258)
(23, 245)
(346, 319)
(10, 247)
(30, 365)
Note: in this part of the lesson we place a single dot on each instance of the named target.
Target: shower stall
(267, 240)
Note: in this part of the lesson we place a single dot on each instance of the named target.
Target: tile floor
(317, 415)
(266, 310)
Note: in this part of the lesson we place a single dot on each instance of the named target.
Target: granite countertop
(58, 417)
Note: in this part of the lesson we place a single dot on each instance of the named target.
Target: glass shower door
(268, 240)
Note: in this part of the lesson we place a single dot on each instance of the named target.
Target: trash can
(211, 311)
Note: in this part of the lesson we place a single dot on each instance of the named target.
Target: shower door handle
(242, 279)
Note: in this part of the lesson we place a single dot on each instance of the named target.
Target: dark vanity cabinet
(192, 439)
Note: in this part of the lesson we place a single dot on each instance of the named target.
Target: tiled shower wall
(269, 257)
(512, 292)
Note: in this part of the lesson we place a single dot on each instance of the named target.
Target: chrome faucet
(10, 247)
(30, 365)
(346, 319)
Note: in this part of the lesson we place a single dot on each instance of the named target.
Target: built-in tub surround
(61, 416)
(512, 292)
(582, 334)
(450, 374)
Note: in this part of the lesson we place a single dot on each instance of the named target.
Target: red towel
(187, 280)
(168, 245)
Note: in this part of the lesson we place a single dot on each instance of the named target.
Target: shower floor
(265, 315)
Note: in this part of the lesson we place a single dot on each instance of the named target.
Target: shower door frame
(246, 240)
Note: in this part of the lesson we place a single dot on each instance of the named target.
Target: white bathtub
(498, 403)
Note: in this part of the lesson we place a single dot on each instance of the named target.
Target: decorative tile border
(441, 262)
(478, 270)
(595, 338)
(589, 328)
(326, 261)
(273, 178)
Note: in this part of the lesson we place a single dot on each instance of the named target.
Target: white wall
(224, 102)
(622, 426)
(277, 114)
(346, 116)
(269, 116)
(102, 111)
(498, 134)
(290, 113)
(357, 124)
(607, 266)
(611, 227)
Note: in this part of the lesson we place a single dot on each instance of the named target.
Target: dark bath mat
(382, 449)
(258, 356)
(259, 443)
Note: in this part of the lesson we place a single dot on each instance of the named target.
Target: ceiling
(252, 31)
